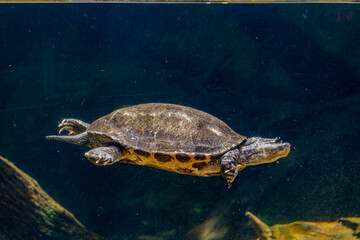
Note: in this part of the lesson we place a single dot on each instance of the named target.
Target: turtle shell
(167, 128)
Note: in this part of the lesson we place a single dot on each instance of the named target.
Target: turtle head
(258, 150)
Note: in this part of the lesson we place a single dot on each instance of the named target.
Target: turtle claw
(231, 174)
(61, 129)
(70, 132)
(62, 124)
(103, 162)
(100, 156)
(73, 126)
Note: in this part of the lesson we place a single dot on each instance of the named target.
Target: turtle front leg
(73, 126)
(229, 169)
(104, 155)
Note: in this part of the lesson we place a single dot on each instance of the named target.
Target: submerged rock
(343, 228)
(28, 212)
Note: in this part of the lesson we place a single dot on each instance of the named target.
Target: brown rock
(28, 212)
(343, 228)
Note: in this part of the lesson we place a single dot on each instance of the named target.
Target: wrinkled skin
(258, 150)
(253, 151)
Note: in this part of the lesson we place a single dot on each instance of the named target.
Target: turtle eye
(281, 148)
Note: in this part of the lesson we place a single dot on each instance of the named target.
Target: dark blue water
(266, 70)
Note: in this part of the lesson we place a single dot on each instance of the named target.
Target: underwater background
(289, 71)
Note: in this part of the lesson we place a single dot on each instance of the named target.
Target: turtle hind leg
(73, 126)
(80, 139)
(104, 155)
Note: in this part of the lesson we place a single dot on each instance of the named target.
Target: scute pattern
(167, 128)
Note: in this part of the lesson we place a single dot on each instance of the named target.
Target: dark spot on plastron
(184, 170)
(142, 153)
(199, 165)
(162, 157)
(215, 157)
(348, 224)
(126, 160)
(182, 157)
(199, 157)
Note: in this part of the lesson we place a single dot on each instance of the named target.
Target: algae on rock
(342, 229)
(28, 212)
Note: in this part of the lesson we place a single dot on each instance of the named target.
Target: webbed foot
(230, 176)
(228, 167)
(103, 155)
(73, 126)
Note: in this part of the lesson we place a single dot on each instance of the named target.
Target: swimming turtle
(170, 137)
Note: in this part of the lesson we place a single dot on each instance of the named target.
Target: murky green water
(289, 71)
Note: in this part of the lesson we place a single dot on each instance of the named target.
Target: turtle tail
(80, 139)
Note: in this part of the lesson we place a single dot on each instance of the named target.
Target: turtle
(171, 137)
